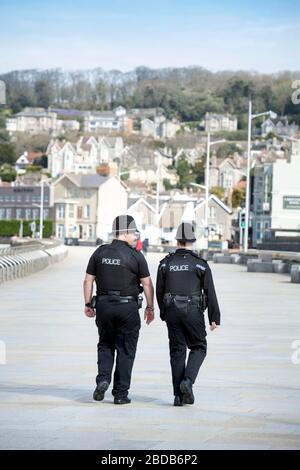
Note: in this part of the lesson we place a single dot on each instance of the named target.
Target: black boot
(186, 388)
(178, 400)
(100, 390)
(122, 401)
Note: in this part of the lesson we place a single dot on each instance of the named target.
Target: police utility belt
(115, 296)
(199, 300)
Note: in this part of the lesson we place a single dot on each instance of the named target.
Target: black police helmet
(186, 233)
(124, 224)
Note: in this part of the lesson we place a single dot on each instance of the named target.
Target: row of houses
(84, 155)
(153, 123)
(84, 206)
(40, 121)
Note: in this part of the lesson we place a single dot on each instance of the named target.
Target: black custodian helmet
(124, 224)
(186, 233)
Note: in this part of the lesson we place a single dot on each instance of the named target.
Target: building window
(61, 231)
(71, 210)
(2, 213)
(60, 213)
(212, 212)
(46, 214)
(90, 231)
(18, 213)
(227, 180)
(86, 211)
(27, 214)
(35, 214)
(87, 193)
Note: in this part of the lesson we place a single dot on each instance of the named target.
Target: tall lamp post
(41, 206)
(247, 208)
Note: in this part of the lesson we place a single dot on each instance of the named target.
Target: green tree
(159, 144)
(184, 171)
(7, 172)
(238, 195)
(217, 191)
(33, 168)
(167, 184)
(7, 153)
(227, 149)
(41, 161)
(43, 93)
(199, 172)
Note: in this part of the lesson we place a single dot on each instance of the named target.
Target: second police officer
(184, 288)
(118, 270)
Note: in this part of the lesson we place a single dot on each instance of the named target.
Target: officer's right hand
(149, 315)
(89, 312)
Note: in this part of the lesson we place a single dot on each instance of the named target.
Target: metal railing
(23, 259)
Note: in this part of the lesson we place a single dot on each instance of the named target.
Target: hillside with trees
(185, 93)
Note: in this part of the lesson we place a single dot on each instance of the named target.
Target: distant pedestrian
(145, 246)
(139, 245)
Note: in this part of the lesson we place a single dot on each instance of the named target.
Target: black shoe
(178, 400)
(186, 387)
(100, 390)
(122, 401)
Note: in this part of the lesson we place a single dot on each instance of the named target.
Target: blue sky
(122, 34)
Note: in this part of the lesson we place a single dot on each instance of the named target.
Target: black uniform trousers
(186, 329)
(118, 327)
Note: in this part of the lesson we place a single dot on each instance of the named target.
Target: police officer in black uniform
(184, 289)
(118, 270)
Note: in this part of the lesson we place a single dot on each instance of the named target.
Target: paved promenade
(247, 392)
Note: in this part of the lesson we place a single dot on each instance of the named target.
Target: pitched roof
(142, 201)
(217, 200)
(84, 180)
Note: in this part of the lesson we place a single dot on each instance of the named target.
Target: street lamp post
(247, 208)
(41, 206)
(42, 210)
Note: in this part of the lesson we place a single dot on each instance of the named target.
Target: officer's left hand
(89, 312)
(213, 326)
(149, 315)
